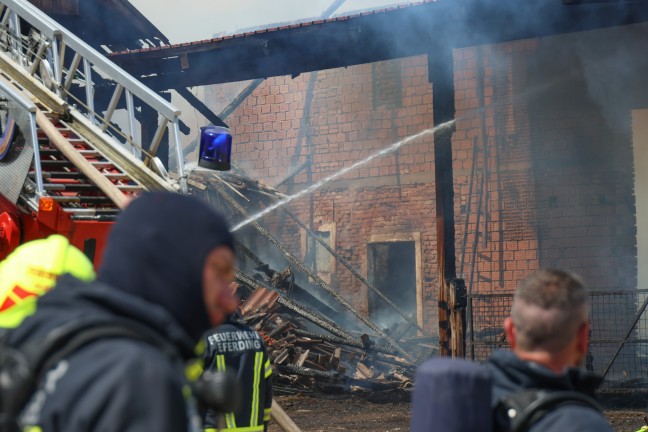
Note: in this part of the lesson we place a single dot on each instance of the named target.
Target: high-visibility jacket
(236, 346)
(31, 270)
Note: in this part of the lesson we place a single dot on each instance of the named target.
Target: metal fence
(618, 342)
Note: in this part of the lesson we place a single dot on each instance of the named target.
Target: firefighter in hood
(166, 271)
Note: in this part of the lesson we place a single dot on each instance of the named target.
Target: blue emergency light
(215, 148)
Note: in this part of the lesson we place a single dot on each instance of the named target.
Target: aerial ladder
(69, 160)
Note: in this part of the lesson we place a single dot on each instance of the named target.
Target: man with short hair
(548, 332)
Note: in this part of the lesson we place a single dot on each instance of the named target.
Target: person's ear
(582, 343)
(511, 332)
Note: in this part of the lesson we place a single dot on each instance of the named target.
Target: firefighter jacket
(151, 275)
(510, 374)
(32, 270)
(110, 384)
(237, 346)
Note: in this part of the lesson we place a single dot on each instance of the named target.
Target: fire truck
(71, 148)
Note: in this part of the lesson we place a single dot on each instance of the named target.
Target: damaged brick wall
(551, 183)
(390, 194)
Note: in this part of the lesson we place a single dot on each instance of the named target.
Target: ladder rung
(58, 174)
(97, 164)
(45, 139)
(55, 162)
(76, 175)
(71, 187)
(129, 188)
(55, 151)
(80, 199)
(95, 218)
(74, 187)
(92, 211)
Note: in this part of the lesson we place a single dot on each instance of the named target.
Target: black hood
(157, 249)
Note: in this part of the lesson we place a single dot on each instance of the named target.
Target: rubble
(311, 344)
(305, 360)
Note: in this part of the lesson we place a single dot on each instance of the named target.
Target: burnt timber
(345, 41)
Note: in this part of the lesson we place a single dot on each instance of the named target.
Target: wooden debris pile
(307, 360)
(313, 335)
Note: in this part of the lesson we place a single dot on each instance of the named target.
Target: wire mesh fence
(618, 340)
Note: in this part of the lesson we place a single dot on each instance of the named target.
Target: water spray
(340, 173)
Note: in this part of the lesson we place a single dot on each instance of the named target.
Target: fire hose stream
(318, 281)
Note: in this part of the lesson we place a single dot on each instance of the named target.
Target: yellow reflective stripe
(220, 363)
(200, 347)
(230, 419)
(240, 429)
(258, 362)
(267, 414)
(32, 429)
(194, 370)
(268, 368)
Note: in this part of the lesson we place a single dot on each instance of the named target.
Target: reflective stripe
(194, 370)
(258, 362)
(32, 429)
(230, 419)
(267, 413)
(241, 429)
(200, 348)
(220, 367)
(31, 270)
(268, 368)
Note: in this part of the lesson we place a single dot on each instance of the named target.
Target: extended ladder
(86, 161)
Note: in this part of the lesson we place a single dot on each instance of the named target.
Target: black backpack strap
(40, 356)
(525, 408)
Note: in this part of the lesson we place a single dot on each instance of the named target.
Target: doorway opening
(392, 270)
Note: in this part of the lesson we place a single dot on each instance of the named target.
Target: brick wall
(541, 179)
(346, 122)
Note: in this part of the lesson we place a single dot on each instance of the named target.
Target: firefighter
(165, 274)
(238, 347)
(32, 270)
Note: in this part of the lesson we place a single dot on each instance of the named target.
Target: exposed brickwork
(550, 185)
(495, 201)
(390, 194)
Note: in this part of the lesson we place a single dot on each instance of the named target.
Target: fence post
(458, 300)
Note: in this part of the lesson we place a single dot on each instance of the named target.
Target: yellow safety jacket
(31, 270)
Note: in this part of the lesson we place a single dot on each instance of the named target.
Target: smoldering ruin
(417, 252)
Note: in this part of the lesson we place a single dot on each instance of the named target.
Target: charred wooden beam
(441, 70)
(308, 372)
(340, 341)
(300, 310)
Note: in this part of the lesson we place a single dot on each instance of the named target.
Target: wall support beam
(441, 70)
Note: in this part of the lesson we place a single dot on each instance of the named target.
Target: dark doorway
(392, 270)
